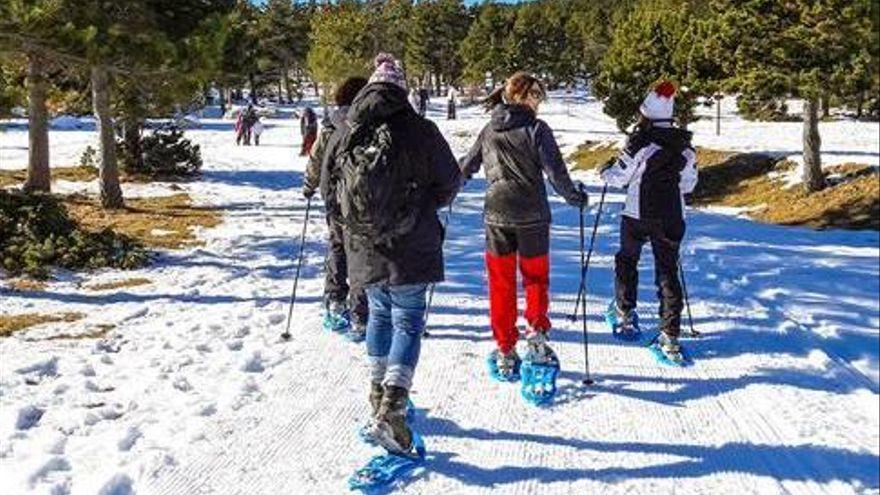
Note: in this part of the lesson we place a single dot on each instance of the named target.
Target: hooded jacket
(658, 167)
(316, 175)
(517, 149)
(418, 255)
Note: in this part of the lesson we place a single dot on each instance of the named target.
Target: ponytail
(495, 98)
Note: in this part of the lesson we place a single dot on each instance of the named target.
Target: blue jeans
(394, 332)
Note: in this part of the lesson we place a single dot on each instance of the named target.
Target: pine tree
(484, 49)
(643, 51)
(799, 48)
(27, 28)
(283, 34)
(538, 41)
(343, 42)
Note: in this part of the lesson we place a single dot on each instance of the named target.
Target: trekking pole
(587, 380)
(585, 265)
(687, 303)
(302, 244)
(431, 290)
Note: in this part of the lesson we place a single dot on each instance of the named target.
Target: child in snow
(257, 129)
(398, 262)
(658, 167)
(308, 129)
(336, 288)
(517, 149)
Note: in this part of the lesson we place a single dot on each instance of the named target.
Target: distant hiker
(423, 101)
(658, 167)
(414, 99)
(345, 307)
(250, 117)
(308, 129)
(396, 171)
(517, 149)
(239, 128)
(257, 130)
(451, 103)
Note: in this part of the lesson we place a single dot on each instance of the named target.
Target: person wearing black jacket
(345, 307)
(396, 277)
(657, 168)
(517, 150)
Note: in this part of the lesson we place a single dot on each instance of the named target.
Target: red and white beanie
(659, 103)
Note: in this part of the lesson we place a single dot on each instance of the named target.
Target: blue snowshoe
(384, 469)
(623, 327)
(504, 367)
(336, 318)
(669, 352)
(539, 370)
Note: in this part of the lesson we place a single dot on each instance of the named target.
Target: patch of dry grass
(26, 285)
(100, 331)
(852, 200)
(10, 324)
(119, 284)
(593, 154)
(160, 222)
(73, 174)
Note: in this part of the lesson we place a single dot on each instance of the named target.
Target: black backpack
(379, 192)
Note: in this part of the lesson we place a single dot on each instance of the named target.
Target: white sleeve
(620, 174)
(688, 181)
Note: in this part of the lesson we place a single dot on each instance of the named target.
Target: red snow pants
(504, 247)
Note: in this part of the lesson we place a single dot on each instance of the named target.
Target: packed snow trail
(193, 392)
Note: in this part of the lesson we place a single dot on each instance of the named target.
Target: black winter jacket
(317, 176)
(658, 167)
(418, 255)
(516, 147)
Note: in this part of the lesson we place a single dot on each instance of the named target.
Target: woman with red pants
(517, 149)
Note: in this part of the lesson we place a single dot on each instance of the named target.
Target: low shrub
(37, 234)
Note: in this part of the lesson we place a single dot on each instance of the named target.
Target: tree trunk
(285, 81)
(38, 174)
(280, 92)
(108, 173)
(222, 93)
(252, 82)
(860, 105)
(813, 178)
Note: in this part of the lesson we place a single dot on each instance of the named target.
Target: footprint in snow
(129, 439)
(253, 363)
(28, 417)
(35, 373)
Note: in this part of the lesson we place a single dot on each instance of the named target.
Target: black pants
(336, 288)
(665, 237)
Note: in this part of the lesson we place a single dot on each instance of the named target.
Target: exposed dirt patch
(163, 222)
(119, 284)
(73, 174)
(10, 324)
(26, 285)
(851, 201)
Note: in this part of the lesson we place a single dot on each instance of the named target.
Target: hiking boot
(376, 393)
(336, 317)
(504, 367)
(624, 324)
(389, 428)
(668, 344)
(357, 332)
(539, 351)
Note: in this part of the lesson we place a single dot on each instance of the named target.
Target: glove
(308, 192)
(581, 198)
(610, 163)
(689, 199)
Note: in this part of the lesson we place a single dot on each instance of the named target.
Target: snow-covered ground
(192, 392)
